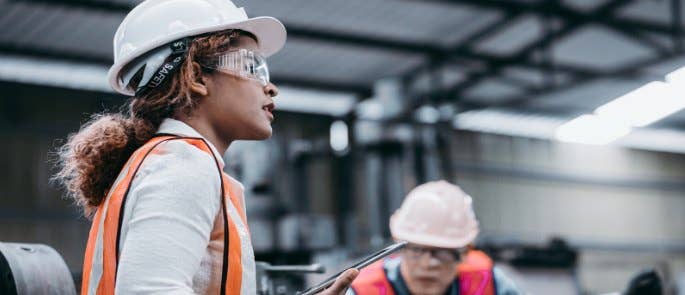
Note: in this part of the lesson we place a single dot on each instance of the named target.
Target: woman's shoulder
(177, 172)
(181, 151)
(180, 160)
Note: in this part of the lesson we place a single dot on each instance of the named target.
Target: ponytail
(93, 157)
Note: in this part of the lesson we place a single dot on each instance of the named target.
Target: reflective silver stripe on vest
(248, 284)
(97, 263)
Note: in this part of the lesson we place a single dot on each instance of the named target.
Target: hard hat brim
(401, 234)
(270, 32)
(435, 241)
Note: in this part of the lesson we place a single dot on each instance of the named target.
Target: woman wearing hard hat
(437, 220)
(166, 219)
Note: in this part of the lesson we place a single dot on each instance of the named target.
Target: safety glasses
(415, 252)
(240, 62)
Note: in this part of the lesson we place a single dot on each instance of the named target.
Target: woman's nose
(271, 89)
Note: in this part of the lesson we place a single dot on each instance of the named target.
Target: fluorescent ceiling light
(677, 77)
(339, 136)
(314, 102)
(508, 123)
(663, 140)
(54, 73)
(643, 106)
(511, 123)
(371, 109)
(591, 129)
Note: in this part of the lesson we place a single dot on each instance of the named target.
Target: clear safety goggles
(240, 62)
(415, 252)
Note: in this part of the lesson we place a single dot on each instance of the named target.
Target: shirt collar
(176, 127)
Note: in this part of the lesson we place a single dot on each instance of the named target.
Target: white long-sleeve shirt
(172, 232)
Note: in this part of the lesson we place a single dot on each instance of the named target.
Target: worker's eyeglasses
(444, 255)
(240, 62)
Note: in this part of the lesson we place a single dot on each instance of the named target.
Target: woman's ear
(199, 81)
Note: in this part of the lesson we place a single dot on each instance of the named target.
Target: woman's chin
(261, 134)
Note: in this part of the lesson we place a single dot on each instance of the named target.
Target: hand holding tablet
(340, 281)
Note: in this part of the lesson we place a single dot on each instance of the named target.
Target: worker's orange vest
(474, 275)
(102, 251)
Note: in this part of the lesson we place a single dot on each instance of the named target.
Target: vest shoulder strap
(475, 274)
(372, 280)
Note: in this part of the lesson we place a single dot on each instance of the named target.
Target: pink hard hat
(437, 214)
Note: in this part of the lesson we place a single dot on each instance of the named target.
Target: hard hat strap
(179, 49)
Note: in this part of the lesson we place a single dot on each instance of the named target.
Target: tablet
(359, 265)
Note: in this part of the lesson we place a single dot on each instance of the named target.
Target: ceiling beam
(549, 8)
(296, 31)
(528, 51)
(677, 23)
(362, 90)
(507, 6)
(513, 10)
(432, 51)
(68, 56)
(633, 70)
(493, 63)
(103, 6)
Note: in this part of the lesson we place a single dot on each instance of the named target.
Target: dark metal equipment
(557, 253)
(275, 279)
(33, 269)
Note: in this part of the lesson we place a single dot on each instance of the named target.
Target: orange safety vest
(102, 250)
(474, 275)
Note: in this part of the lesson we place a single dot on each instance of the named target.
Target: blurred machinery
(283, 228)
(282, 279)
(27, 269)
(306, 194)
(281, 221)
(647, 282)
(546, 269)
(555, 254)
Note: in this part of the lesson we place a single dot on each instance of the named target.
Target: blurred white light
(544, 127)
(370, 109)
(676, 80)
(508, 123)
(427, 114)
(643, 106)
(339, 136)
(591, 129)
(314, 102)
(54, 73)
(663, 140)
(677, 77)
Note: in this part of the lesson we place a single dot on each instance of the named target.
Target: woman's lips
(268, 109)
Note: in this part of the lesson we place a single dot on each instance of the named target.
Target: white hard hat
(155, 23)
(437, 214)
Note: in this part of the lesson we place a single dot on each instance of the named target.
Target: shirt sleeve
(174, 201)
(504, 285)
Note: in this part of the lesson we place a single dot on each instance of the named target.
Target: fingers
(342, 282)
